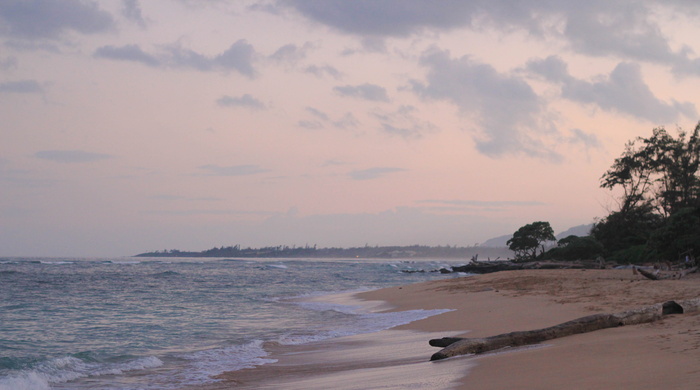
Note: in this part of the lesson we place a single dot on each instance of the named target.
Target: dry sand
(663, 354)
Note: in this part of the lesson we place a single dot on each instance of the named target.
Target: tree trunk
(454, 346)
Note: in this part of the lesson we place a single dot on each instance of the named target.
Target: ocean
(168, 323)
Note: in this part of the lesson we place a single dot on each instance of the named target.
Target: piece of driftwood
(658, 275)
(455, 346)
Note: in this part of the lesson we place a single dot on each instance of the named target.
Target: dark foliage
(575, 248)
(678, 237)
(621, 230)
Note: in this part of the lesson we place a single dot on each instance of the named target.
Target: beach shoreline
(662, 354)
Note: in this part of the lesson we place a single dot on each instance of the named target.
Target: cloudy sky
(129, 126)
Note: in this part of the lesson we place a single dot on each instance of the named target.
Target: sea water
(167, 323)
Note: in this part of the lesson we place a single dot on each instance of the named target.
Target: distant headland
(365, 252)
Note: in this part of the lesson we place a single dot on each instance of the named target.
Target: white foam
(393, 359)
(56, 262)
(68, 368)
(132, 365)
(206, 364)
(24, 381)
(327, 306)
(362, 317)
(360, 320)
(323, 296)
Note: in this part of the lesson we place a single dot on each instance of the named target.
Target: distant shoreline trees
(365, 252)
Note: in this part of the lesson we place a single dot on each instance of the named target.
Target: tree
(659, 171)
(632, 173)
(529, 238)
(660, 202)
(678, 161)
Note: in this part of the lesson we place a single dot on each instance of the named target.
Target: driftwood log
(659, 275)
(455, 346)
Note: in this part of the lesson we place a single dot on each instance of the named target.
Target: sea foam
(68, 368)
(359, 319)
(206, 364)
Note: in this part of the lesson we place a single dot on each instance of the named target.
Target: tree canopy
(659, 207)
(658, 172)
(529, 238)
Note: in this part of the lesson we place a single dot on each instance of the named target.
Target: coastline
(662, 354)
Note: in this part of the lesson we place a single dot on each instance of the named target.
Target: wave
(56, 262)
(352, 320)
(304, 298)
(327, 306)
(364, 323)
(200, 367)
(24, 381)
(128, 262)
(165, 274)
(234, 261)
(204, 365)
(68, 368)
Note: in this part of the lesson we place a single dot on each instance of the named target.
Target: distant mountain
(497, 242)
(580, 230)
(501, 241)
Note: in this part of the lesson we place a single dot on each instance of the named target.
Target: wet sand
(662, 354)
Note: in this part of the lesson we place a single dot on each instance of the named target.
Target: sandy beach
(662, 354)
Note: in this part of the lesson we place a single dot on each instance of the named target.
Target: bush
(679, 235)
(575, 248)
(620, 231)
(637, 254)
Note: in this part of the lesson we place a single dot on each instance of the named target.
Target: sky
(129, 126)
